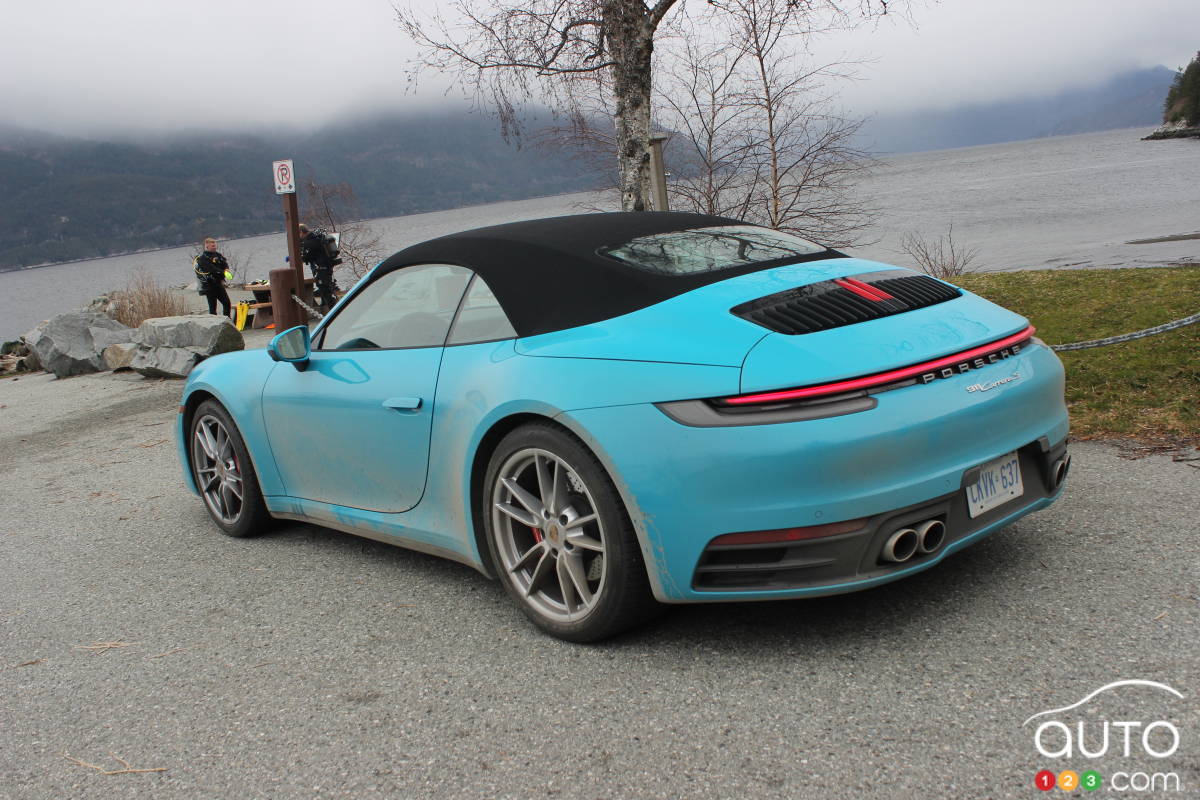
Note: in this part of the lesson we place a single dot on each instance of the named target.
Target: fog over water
(1070, 201)
(130, 66)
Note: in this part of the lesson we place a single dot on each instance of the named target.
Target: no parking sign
(285, 178)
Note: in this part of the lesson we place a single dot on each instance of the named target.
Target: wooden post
(287, 314)
(291, 221)
(288, 281)
(658, 175)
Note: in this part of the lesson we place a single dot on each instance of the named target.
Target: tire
(224, 473)
(578, 573)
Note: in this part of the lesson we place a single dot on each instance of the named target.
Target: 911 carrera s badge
(970, 364)
(983, 387)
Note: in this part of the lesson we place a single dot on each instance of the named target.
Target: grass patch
(1145, 389)
(144, 298)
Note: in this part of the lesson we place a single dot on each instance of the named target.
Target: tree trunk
(631, 46)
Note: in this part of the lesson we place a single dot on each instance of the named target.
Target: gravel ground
(307, 663)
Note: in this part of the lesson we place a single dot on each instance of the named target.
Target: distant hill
(67, 198)
(64, 198)
(1128, 100)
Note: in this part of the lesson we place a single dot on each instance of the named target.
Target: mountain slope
(63, 198)
(68, 198)
(1129, 100)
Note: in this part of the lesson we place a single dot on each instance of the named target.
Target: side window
(408, 307)
(481, 318)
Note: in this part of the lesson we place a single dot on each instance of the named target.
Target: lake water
(1068, 201)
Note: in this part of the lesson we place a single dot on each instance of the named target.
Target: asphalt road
(307, 663)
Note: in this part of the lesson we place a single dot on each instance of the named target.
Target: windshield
(709, 249)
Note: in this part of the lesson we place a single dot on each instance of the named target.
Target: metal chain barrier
(1128, 337)
(312, 312)
(1124, 337)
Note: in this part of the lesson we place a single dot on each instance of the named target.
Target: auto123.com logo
(1080, 740)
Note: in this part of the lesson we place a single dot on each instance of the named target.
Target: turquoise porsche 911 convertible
(608, 412)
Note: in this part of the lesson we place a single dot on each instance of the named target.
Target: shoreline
(1020, 222)
(143, 251)
(1173, 133)
(195, 303)
(280, 231)
(1157, 134)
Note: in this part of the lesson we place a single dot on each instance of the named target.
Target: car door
(352, 428)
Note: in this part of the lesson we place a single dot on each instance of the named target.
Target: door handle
(403, 403)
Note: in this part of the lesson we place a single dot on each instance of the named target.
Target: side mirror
(291, 346)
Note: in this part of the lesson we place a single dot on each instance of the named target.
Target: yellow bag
(243, 310)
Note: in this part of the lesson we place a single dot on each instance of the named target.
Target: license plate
(999, 481)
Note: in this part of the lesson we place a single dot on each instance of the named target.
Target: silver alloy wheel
(548, 534)
(218, 474)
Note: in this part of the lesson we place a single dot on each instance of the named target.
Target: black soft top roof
(547, 273)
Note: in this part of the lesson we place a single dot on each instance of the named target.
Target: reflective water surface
(1068, 201)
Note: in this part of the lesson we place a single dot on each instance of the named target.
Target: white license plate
(999, 481)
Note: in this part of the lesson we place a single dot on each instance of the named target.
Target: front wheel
(560, 538)
(224, 473)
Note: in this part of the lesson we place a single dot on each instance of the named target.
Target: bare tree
(941, 257)
(804, 158)
(756, 135)
(545, 49)
(702, 100)
(335, 208)
(588, 137)
(556, 51)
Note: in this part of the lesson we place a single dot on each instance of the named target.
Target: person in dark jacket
(211, 269)
(313, 253)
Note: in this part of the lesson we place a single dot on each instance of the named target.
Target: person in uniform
(211, 270)
(313, 253)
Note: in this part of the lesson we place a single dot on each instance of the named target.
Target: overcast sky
(90, 68)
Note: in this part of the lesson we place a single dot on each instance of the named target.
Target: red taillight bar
(878, 379)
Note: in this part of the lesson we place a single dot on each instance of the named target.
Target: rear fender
(652, 553)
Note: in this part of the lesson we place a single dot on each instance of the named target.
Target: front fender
(236, 381)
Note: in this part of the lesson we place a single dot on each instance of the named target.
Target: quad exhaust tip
(1058, 472)
(931, 534)
(901, 546)
(925, 537)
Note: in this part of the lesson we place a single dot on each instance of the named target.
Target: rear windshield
(709, 249)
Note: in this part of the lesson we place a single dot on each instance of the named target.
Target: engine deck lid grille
(844, 301)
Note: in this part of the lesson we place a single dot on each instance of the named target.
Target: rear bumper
(906, 458)
(833, 564)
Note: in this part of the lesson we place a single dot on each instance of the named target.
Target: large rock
(26, 358)
(120, 355)
(206, 334)
(170, 346)
(104, 305)
(71, 343)
(165, 362)
(103, 338)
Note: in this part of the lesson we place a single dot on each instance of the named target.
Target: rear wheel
(223, 472)
(560, 538)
